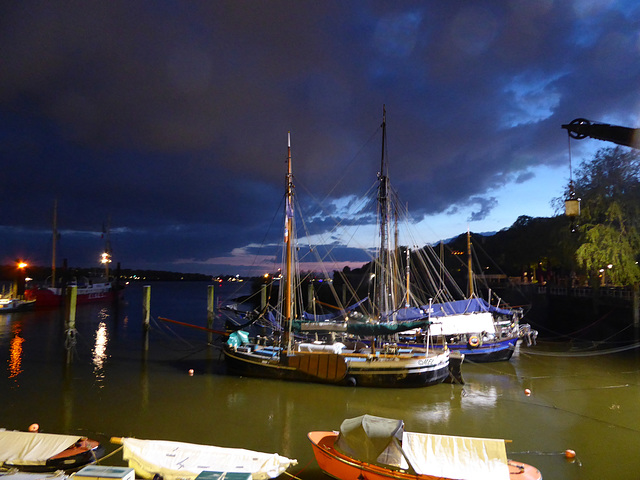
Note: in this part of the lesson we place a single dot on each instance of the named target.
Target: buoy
(34, 427)
(527, 392)
(191, 372)
(569, 453)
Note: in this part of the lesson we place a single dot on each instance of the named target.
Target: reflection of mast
(55, 237)
(288, 233)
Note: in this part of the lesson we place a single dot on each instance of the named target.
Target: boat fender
(351, 382)
(474, 341)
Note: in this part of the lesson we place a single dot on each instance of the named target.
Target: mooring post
(70, 318)
(263, 297)
(146, 314)
(310, 299)
(210, 311)
(146, 306)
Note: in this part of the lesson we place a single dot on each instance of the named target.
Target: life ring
(474, 341)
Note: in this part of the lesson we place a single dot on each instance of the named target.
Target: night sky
(168, 120)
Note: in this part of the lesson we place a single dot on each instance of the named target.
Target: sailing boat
(482, 332)
(330, 362)
(88, 290)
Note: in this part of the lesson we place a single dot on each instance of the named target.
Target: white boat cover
(184, 461)
(463, 323)
(28, 448)
(462, 458)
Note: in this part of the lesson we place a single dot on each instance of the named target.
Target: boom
(581, 128)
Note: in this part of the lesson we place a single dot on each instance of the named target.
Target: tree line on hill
(599, 246)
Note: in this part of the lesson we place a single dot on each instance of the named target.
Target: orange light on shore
(22, 265)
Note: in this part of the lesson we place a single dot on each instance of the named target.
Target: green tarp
(371, 329)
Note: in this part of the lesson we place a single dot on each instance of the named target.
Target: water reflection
(99, 352)
(479, 396)
(15, 352)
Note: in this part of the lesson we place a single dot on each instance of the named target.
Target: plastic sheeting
(28, 448)
(184, 461)
(238, 338)
(464, 306)
(462, 458)
(463, 324)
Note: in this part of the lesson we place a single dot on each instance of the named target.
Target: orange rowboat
(369, 454)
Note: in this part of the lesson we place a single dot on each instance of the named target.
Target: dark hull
(365, 373)
(499, 351)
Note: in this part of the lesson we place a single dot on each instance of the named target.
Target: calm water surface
(114, 387)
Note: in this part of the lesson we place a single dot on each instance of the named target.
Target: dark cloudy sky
(170, 118)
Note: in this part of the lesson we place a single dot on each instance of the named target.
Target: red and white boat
(86, 293)
(43, 452)
(378, 448)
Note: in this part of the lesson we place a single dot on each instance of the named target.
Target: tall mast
(383, 203)
(53, 242)
(469, 263)
(105, 258)
(288, 233)
(407, 302)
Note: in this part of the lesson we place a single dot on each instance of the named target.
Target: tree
(609, 189)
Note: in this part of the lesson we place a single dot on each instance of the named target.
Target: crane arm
(581, 128)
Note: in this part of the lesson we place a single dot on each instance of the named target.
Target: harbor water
(549, 398)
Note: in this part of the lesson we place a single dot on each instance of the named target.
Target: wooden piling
(146, 306)
(210, 311)
(146, 316)
(72, 300)
(70, 319)
(310, 299)
(263, 297)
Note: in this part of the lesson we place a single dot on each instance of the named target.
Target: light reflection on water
(15, 349)
(100, 351)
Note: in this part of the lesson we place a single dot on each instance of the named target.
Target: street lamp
(20, 279)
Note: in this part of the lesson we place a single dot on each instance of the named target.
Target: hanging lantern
(572, 207)
(571, 204)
